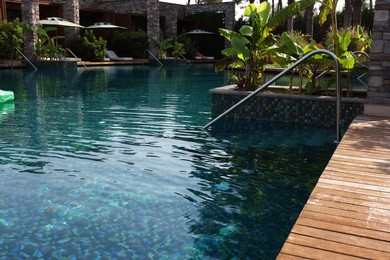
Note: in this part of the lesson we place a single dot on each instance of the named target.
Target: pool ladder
(284, 72)
(24, 56)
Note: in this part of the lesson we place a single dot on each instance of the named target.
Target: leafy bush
(189, 46)
(130, 44)
(88, 47)
(11, 35)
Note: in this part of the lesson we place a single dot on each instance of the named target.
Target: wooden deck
(348, 214)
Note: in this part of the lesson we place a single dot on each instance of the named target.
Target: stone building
(379, 75)
(151, 15)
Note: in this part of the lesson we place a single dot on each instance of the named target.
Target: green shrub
(11, 35)
(130, 44)
(189, 46)
(88, 47)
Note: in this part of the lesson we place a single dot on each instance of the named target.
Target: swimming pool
(112, 163)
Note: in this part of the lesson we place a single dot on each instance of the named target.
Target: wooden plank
(283, 256)
(356, 186)
(313, 253)
(348, 212)
(353, 190)
(345, 221)
(336, 247)
(356, 231)
(363, 242)
(363, 201)
(340, 195)
(364, 179)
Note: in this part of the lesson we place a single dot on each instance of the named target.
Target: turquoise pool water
(111, 163)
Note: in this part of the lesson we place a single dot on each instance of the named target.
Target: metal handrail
(74, 55)
(360, 77)
(281, 74)
(21, 53)
(181, 55)
(154, 57)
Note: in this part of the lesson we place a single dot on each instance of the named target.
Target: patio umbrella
(57, 21)
(104, 25)
(198, 32)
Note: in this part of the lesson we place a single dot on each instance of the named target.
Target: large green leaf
(241, 49)
(225, 33)
(264, 11)
(309, 48)
(246, 30)
(290, 44)
(347, 60)
(229, 52)
(289, 11)
(325, 10)
(344, 41)
(249, 10)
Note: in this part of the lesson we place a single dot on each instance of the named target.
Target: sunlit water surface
(112, 163)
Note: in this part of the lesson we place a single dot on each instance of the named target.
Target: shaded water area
(113, 163)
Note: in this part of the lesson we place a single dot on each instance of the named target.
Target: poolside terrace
(348, 213)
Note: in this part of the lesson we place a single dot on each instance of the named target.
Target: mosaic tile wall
(307, 110)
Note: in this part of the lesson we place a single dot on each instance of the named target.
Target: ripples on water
(111, 163)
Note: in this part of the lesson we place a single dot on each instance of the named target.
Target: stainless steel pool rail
(21, 53)
(364, 74)
(284, 72)
(74, 55)
(151, 54)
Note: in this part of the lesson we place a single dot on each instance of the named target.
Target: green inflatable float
(6, 96)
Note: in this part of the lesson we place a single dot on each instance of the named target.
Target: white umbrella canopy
(198, 32)
(58, 21)
(104, 25)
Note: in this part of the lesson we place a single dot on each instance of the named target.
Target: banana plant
(254, 45)
(46, 47)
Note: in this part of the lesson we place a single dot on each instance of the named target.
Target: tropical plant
(130, 44)
(46, 46)
(254, 46)
(163, 46)
(178, 49)
(189, 46)
(11, 36)
(88, 47)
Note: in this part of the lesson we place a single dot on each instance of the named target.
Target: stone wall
(70, 11)
(379, 75)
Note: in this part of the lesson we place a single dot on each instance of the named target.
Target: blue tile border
(286, 108)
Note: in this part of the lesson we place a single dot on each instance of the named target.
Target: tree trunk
(290, 20)
(347, 14)
(309, 20)
(357, 12)
(280, 5)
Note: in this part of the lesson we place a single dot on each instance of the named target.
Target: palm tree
(357, 12)
(309, 20)
(290, 20)
(347, 14)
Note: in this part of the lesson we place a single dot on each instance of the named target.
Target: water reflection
(122, 169)
(252, 188)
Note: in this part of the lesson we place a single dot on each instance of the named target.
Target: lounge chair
(113, 57)
(200, 56)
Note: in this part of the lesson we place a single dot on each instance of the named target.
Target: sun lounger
(200, 56)
(113, 57)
